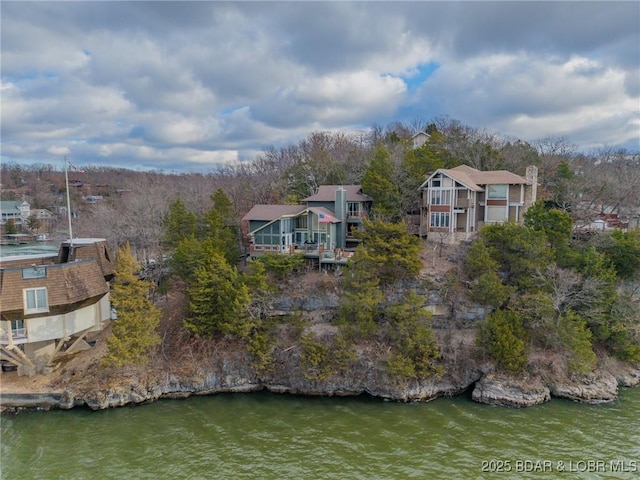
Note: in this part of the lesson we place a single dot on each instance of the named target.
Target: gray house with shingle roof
(326, 221)
(457, 202)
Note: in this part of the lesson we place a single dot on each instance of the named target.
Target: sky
(191, 86)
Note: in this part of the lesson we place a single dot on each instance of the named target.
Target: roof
(273, 212)
(474, 179)
(327, 193)
(66, 283)
(11, 205)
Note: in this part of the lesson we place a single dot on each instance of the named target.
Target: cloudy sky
(186, 86)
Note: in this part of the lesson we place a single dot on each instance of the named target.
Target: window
(497, 191)
(17, 329)
(301, 221)
(35, 300)
(353, 209)
(435, 183)
(496, 214)
(440, 220)
(36, 271)
(440, 197)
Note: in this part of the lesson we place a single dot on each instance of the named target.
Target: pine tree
(218, 300)
(134, 332)
(390, 251)
(378, 184)
(178, 224)
(502, 334)
(221, 227)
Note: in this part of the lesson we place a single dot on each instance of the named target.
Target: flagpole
(66, 180)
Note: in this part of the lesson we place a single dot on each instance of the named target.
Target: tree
(189, 255)
(555, 224)
(624, 252)
(415, 352)
(361, 301)
(520, 251)
(221, 227)
(389, 251)
(134, 332)
(378, 185)
(218, 300)
(179, 223)
(502, 334)
(33, 224)
(10, 228)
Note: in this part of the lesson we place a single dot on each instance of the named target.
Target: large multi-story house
(52, 302)
(457, 202)
(325, 222)
(17, 211)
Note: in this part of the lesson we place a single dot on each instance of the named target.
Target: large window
(496, 214)
(440, 197)
(35, 300)
(440, 220)
(498, 191)
(301, 221)
(353, 209)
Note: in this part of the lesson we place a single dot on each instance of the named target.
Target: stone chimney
(531, 190)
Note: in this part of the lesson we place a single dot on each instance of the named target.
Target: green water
(265, 436)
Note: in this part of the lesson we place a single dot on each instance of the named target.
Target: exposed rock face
(496, 389)
(599, 387)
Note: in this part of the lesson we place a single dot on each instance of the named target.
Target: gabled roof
(327, 193)
(273, 212)
(11, 206)
(474, 179)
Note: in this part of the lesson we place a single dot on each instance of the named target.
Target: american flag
(322, 218)
(79, 170)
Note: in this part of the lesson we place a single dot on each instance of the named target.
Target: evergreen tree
(502, 334)
(221, 227)
(134, 332)
(361, 300)
(415, 352)
(218, 300)
(378, 184)
(190, 254)
(390, 252)
(179, 223)
(10, 228)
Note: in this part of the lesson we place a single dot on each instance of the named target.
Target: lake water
(268, 436)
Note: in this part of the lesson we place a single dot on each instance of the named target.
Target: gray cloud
(175, 85)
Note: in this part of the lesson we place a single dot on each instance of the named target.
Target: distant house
(52, 302)
(457, 202)
(91, 199)
(18, 211)
(45, 219)
(419, 139)
(324, 222)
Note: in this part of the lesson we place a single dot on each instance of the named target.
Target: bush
(502, 334)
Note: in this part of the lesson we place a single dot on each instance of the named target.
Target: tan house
(457, 202)
(51, 303)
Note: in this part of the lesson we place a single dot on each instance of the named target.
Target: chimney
(531, 190)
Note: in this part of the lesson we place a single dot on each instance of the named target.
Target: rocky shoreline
(234, 377)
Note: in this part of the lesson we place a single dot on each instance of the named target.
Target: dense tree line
(552, 291)
(382, 159)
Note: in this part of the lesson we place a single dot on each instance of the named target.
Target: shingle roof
(327, 193)
(473, 179)
(272, 212)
